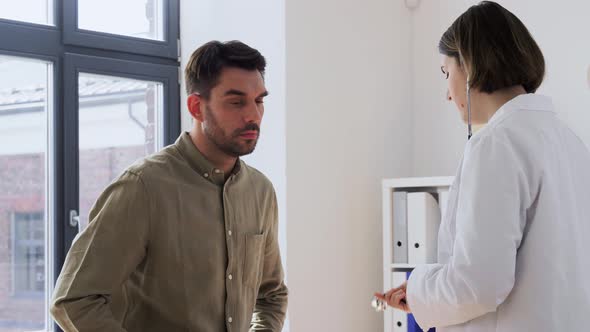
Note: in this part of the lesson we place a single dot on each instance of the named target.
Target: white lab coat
(514, 245)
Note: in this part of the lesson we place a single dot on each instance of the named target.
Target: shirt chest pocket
(253, 259)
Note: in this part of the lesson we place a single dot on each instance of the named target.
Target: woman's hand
(396, 298)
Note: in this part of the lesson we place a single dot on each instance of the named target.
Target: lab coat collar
(529, 102)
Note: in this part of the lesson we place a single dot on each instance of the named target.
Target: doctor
(514, 248)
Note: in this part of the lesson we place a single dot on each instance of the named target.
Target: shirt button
(230, 277)
(230, 320)
(217, 171)
(229, 233)
(206, 175)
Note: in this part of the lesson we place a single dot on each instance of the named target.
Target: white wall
(561, 29)
(348, 126)
(261, 24)
(357, 96)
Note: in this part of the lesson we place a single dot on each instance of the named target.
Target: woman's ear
(194, 106)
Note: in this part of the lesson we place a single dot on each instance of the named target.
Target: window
(31, 11)
(25, 109)
(129, 110)
(81, 98)
(133, 18)
(28, 252)
(137, 26)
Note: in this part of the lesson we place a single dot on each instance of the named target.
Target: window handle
(74, 219)
(77, 221)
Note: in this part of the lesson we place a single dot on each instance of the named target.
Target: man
(186, 239)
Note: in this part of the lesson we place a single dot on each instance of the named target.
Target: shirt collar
(199, 163)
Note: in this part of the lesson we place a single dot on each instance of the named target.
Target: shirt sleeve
(271, 304)
(103, 257)
(490, 219)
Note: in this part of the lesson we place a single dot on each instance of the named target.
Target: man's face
(234, 110)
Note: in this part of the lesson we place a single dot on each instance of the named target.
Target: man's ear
(194, 101)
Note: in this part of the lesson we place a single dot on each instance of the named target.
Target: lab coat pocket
(253, 257)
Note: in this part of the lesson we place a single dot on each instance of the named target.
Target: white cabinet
(412, 210)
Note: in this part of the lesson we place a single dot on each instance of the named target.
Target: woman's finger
(396, 300)
(390, 296)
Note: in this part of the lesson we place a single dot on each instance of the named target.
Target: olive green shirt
(173, 246)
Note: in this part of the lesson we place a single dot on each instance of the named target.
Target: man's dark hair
(494, 48)
(206, 63)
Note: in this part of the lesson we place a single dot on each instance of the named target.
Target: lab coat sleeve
(489, 225)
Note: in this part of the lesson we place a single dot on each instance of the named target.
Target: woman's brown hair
(495, 49)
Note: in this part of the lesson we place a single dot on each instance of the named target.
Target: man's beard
(233, 145)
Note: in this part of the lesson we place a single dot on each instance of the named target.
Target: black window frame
(70, 50)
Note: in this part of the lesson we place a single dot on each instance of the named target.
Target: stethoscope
(469, 131)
